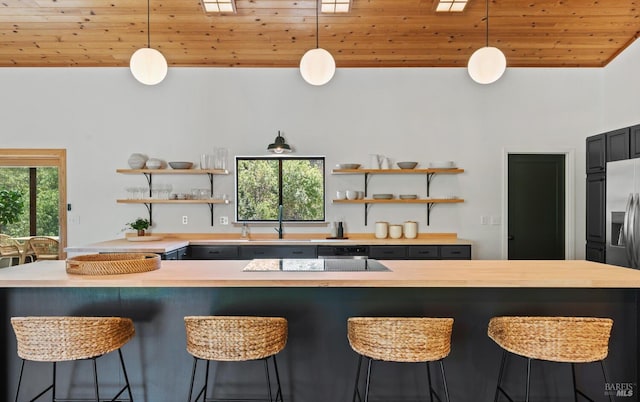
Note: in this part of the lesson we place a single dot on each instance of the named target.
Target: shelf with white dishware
(430, 202)
(148, 202)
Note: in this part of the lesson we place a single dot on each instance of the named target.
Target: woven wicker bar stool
(556, 339)
(234, 339)
(410, 340)
(59, 339)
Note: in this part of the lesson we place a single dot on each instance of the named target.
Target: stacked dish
(442, 165)
(407, 196)
(383, 196)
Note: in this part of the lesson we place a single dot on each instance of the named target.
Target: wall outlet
(484, 220)
(495, 220)
(185, 219)
(224, 220)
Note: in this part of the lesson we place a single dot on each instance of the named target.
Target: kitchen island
(317, 364)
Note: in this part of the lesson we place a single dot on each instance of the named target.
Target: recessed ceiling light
(219, 6)
(335, 6)
(451, 6)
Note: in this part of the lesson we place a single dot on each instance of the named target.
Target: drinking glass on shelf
(204, 194)
(221, 155)
(131, 192)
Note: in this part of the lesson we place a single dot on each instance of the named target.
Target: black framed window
(264, 183)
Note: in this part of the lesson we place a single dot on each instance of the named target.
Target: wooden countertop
(173, 242)
(427, 274)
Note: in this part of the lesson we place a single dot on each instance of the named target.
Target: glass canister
(395, 231)
(382, 230)
(410, 229)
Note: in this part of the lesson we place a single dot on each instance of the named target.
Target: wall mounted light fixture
(279, 145)
(487, 64)
(317, 66)
(148, 65)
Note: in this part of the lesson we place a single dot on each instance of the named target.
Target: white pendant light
(148, 65)
(317, 66)
(487, 64)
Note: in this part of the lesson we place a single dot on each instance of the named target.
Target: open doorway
(39, 177)
(538, 204)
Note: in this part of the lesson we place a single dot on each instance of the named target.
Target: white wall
(622, 86)
(102, 115)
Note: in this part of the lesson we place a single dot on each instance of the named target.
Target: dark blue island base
(317, 364)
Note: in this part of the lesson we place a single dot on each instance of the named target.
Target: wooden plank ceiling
(276, 33)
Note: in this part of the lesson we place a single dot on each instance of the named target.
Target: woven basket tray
(113, 264)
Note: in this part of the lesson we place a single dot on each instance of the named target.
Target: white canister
(382, 229)
(410, 229)
(395, 231)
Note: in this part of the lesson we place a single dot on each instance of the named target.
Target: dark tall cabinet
(602, 148)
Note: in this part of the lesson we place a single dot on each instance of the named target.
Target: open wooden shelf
(398, 171)
(173, 171)
(399, 201)
(149, 173)
(160, 201)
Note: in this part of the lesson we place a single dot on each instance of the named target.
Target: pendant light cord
(487, 21)
(317, 29)
(148, 24)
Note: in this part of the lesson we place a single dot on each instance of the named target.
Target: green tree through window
(264, 183)
(47, 198)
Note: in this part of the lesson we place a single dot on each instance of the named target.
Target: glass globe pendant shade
(148, 66)
(486, 65)
(317, 66)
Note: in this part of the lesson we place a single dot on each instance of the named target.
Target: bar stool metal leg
(356, 391)
(193, 377)
(266, 370)
(19, 380)
(126, 378)
(604, 374)
(429, 382)
(53, 385)
(279, 396)
(573, 381)
(444, 381)
(366, 390)
(500, 374)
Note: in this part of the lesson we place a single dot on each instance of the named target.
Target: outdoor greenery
(258, 191)
(11, 205)
(16, 179)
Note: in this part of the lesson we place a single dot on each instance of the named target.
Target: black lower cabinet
(595, 252)
(251, 252)
(179, 254)
(213, 253)
(419, 252)
(455, 252)
(388, 252)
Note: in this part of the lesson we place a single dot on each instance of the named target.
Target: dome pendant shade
(148, 66)
(486, 65)
(317, 66)
(279, 145)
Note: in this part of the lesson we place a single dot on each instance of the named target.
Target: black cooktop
(316, 265)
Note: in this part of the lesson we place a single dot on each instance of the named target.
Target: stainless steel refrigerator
(623, 213)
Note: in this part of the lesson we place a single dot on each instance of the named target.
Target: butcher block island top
(425, 274)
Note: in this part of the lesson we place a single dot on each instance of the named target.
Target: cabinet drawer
(214, 253)
(455, 252)
(388, 252)
(424, 252)
(251, 252)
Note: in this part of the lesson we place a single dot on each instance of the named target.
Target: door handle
(510, 237)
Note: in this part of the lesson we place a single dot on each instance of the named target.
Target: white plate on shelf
(144, 238)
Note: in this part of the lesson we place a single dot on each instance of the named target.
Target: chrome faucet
(279, 228)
